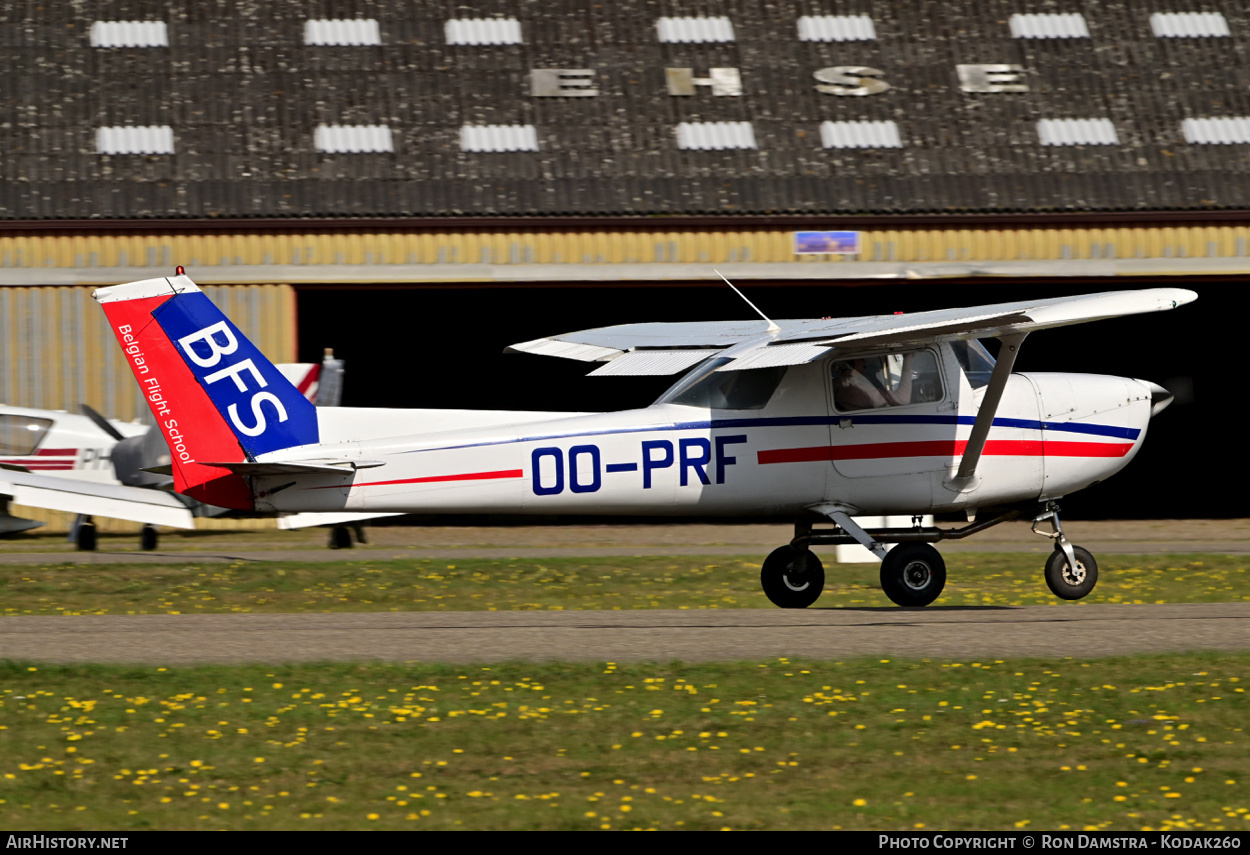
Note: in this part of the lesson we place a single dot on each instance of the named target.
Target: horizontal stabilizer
(137, 504)
(303, 467)
(312, 518)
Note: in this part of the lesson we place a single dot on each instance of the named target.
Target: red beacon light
(180, 271)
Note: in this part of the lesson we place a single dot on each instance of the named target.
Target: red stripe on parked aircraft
(57, 452)
(944, 448)
(309, 379)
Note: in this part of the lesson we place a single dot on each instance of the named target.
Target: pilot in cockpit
(860, 384)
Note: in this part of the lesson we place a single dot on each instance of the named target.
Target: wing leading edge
(657, 348)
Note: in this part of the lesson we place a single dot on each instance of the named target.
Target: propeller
(101, 422)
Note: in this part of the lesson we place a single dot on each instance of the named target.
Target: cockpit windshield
(706, 387)
(21, 435)
(975, 360)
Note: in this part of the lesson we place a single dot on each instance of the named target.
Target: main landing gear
(341, 536)
(792, 577)
(913, 573)
(83, 535)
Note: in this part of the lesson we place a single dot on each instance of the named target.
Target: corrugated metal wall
(56, 350)
(201, 253)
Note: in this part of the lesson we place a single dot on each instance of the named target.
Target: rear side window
(21, 435)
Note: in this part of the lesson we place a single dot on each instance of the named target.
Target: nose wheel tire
(913, 574)
(1070, 583)
(792, 578)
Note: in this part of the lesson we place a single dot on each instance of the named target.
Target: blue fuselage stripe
(800, 421)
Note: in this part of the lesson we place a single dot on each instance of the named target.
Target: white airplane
(92, 466)
(805, 420)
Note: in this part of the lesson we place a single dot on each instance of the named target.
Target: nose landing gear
(1071, 571)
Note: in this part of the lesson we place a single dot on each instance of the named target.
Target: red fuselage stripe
(433, 479)
(945, 448)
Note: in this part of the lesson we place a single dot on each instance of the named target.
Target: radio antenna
(772, 327)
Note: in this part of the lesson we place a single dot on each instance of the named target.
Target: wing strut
(989, 405)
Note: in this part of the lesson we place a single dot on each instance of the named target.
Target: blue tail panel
(262, 408)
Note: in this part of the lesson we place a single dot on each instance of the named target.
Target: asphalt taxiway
(1059, 630)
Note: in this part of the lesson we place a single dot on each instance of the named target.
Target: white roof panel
(1222, 130)
(352, 139)
(498, 138)
(1077, 132)
(482, 31)
(112, 34)
(691, 30)
(860, 135)
(342, 32)
(836, 28)
(715, 136)
(1189, 25)
(1049, 26)
(135, 139)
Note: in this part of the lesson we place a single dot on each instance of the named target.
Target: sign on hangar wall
(631, 107)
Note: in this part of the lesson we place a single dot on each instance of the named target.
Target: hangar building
(419, 184)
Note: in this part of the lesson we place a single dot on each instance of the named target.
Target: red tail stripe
(944, 448)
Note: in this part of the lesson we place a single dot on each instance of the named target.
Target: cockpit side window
(708, 388)
(886, 380)
(21, 435)
(975, 360)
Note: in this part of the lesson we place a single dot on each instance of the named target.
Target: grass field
(1141, 742)
(569, 583)
(1144, 742)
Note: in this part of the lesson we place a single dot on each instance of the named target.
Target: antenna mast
(772, 327)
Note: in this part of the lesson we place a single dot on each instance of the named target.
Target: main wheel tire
(913, 574)
(792, 578)
(85, 539)
(340, 537)
(148, 538)
(1068, 583)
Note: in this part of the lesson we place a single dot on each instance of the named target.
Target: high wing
(667, 348)
(140, 504)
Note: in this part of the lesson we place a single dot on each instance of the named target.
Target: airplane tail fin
(214, 395)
